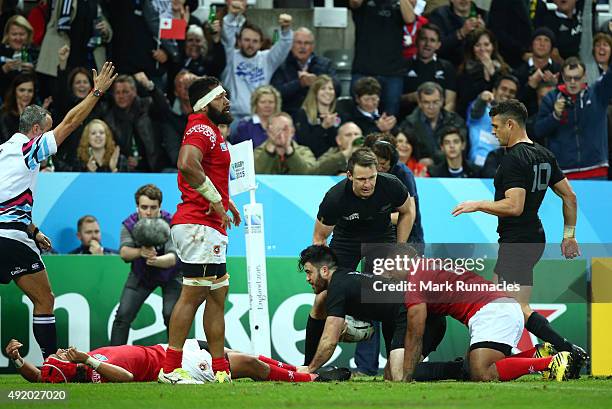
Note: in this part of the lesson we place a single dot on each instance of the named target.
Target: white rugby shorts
(199, 244)
(499, 321)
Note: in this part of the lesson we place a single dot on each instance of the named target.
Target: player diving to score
(136, 363)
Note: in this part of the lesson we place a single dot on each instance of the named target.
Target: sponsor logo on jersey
(100, 357)
(354, 216)
(217, 249)
(205, 130)
(17, 270)
(223, 146)
(35, 266)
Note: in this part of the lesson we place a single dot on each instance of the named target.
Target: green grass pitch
(528, 392)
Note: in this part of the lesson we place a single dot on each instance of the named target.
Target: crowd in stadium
(426, 77)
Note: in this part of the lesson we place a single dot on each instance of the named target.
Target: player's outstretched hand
(105, 79)
(217, 207)
(76, 356)
(570, 248)
(235, 213)
(465, 207)
(12, 349)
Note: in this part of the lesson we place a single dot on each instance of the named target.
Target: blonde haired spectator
(97, 151)
(265, 102)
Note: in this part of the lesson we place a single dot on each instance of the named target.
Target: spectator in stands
(135, 42)
(265, 102)
(378, 43)
(540, 67)
(21, 93)
(38, 16)
(543, 89)
(300, 70)
(70, 89)
(175, 118)
(83, 27)
(16, 53)
(573, 119)
(426, 66)
(90, 236)
(8, 9)
(349, 137)
(482, 140)
(428, 121)
(411, 30)
(281, 155)
(132, 120)
(364, 113)
(97, 151)
(481, 67)
(248, 67)
(452, 144)
(407, 148)
(317, 121)
(602, 51)
(198, 56)
(151, 266)
(510, 21)
(565, 22)
(457, 21)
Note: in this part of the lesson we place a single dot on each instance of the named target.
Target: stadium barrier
(88, 288)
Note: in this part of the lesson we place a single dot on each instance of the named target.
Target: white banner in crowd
(242, 168)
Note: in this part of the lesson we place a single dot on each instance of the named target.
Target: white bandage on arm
(93, 363)
(19, 362)
(209, 191)
(207, 99)
(569, 232)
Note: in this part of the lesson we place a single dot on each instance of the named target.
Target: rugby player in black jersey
(357, 210)
(522, 179)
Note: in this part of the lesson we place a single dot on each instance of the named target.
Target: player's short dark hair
(451, 131)
(510, 109)
(201, 87)
(507, 77)
(367, 86)
(253, 27)
(431, 27)
(362, 157)
(318, 256)
(85, 219)
(573, 63)
(151, 191)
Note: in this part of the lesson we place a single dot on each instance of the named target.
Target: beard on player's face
(219, 117)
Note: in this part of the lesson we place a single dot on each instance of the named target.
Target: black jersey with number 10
(534, 168)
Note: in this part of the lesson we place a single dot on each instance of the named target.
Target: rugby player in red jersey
(495, 323)
(199, 229)
(136, 363)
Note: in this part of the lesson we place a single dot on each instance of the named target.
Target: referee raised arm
(20, 239)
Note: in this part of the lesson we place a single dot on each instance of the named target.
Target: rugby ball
(356, 330)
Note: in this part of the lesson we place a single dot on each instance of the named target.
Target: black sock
(438, 371)
(540, 327)
(45, 334)
(314, 330)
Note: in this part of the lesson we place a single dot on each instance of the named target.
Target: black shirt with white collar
(437, 70)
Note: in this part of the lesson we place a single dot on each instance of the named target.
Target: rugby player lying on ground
(495, 322)
(135, 363)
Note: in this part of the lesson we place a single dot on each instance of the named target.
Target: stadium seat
(342, 60)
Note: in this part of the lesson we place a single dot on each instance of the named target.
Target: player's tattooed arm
(413, 344)
(327, 344)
